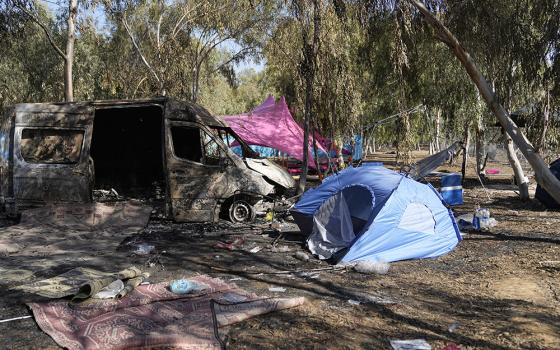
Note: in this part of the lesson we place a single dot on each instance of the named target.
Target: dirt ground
(496, 290)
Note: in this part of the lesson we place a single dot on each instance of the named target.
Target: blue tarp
(268, 152)
(394, 217)
(543, 196)
(355, 150)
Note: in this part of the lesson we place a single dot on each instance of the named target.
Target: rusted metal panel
(43, 114)
(51, 154)
(191, 112)
(6, 160)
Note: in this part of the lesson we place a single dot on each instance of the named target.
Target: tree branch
(135, 44)
(45, 29)
(237, 55)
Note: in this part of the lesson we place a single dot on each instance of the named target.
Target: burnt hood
(272, 171)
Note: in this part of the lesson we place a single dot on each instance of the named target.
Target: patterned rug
(153, 317)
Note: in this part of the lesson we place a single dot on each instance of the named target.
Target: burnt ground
(496, 290)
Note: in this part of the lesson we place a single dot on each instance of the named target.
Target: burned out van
(64, 152)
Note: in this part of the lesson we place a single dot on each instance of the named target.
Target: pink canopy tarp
(271, 125)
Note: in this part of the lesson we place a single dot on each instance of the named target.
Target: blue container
(451, 189)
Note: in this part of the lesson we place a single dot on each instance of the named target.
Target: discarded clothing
(152, 316)
(81, 282)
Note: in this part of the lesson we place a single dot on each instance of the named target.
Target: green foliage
(374, 59)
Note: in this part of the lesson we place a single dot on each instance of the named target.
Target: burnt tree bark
(543, 175)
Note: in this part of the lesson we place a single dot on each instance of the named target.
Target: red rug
(153, 317)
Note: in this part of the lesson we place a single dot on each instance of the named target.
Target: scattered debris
(80, 282)
(492, 171)
(235, 243)
(277, 272)
(550, 264)
(305, 274)
(281, 249)
(452, 327)
(371, 267)
(482, 220)
(277, 289)
(9, 248)
(255, 250)
(110, 291)
(107, 195)
(301, 256)
(184, 286)
(464, 222)
(15, 319)
(144, 249)
(413, 344)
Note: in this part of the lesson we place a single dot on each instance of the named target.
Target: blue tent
(373, 213)
(541, 193)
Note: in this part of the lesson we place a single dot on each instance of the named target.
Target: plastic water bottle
(182, 286)
(481, 219)
(484, 219)
(476, 219)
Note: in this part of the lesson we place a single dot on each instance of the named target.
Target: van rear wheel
(241, 211)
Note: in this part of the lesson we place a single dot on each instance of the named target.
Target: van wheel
(241, 211)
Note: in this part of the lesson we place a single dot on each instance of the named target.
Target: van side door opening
(127, 151)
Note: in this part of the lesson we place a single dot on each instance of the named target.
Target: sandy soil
(496, 290)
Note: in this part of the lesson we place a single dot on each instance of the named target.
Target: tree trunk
(309, 53)
(479, 147)
(520, 178)
(438, 128)
(307, 115)
(69, 59)
(541, 146)
(466, 145)
(543, 175)
(316, 155)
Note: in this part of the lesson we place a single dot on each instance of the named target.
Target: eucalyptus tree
(177, 41)
(542, 174)
(29, 68)
(33, 10)
(311, 59)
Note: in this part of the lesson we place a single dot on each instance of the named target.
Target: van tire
(241, 211)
